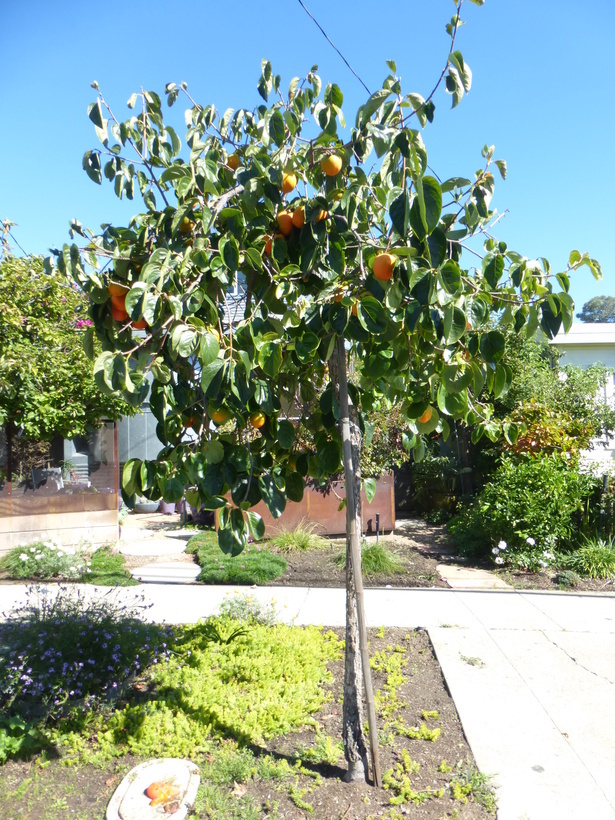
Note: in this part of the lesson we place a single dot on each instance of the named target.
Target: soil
(53, 791)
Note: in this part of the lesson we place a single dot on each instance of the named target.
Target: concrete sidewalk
(532, 675)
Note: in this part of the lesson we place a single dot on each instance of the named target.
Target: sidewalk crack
(578, 663)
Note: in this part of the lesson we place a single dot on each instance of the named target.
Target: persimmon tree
(344, 243)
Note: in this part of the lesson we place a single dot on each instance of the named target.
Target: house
(582, 346)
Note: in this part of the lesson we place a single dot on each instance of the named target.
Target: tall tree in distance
(598, 309)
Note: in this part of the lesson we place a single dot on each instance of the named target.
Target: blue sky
(540, 94)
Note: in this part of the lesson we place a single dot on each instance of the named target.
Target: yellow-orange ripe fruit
(257, 420)
(298, 217)
(331, 165)
(424, 418)
(289, 182)
(285, 222)
(383, 266)
(234, 161)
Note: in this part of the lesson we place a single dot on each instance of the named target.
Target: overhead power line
(327, 38)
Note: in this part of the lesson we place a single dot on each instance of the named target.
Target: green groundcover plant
(255, 565)
(47, 559)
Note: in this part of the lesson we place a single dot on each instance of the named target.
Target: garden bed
(298, 774)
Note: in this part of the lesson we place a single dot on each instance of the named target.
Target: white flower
(23, 557)
(543, 563)
(60, 554)
(499, 560)
(32, 549)
(73, 569)
(502, 545)
(529, 540)
(38, 556)
(563, 377)
(495, 550)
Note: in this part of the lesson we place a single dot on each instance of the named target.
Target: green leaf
(457, 377)
(492, 346)
(256, 525)
(270, 358)
(452, 404)
(286, 434)
(130, 476)
(173, 490)
(209, 349)
(371, 106)
(232, 532)
(372, 315)
(502, 380)
(450, 277)
(294, 487)
(454, 324)
(95, 113)
(229, 250)
(369, 485)
(272, 496)
(329, 457)
(210, 373)
(400, 213)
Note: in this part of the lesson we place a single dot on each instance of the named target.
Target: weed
(472, 661)
(567, 579)
(471, 782)
(299, 539)
(296, 795)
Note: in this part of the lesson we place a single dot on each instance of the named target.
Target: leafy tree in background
(47, 388)
(598, 309)
(349, 245)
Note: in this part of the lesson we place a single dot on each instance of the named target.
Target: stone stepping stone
(173, 572)
(130, 802)
(470, 578)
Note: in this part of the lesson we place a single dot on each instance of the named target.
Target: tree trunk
(356, 669)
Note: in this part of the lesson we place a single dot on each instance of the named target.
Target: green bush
(533, 508)
(255, 565)
(64, 654)
(594, 559)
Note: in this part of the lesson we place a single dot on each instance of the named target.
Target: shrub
(536, 505)
(62, 653)
(594, 559)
